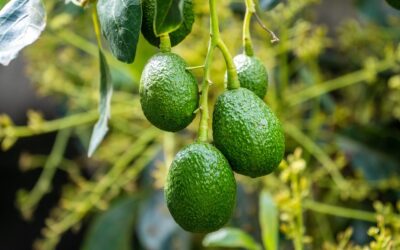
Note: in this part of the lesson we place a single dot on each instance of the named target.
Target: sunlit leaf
(113, 229)
(106, 89)
(230, 237)
(120, 22)
(2, 3)
(168, 17)
(21, 23)
(269, 221)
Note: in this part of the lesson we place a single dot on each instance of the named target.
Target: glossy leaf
(269, 221)
(169, 16)
(230, 237)
(106, 89)
(21, 23)
(394, 3)
(114, 228)
(120, 22)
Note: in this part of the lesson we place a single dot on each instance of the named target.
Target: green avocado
(252, 74)
(200, 190)
(168, 92)
(247, 132)
(394, 3)
(176, 36)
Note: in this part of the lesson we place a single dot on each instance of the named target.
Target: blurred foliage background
(334, 83)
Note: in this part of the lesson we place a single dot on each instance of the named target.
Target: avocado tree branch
(74, 120)
(29, 201)
(96, 25)
(318, 153)
(247, 44)
(203, 127)
(233, 80)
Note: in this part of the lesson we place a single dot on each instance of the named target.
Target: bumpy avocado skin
(248, 133)
(200, 190)
(252, 74)
(178, 35)
(168, 92)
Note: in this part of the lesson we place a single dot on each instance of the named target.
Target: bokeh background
(334, 83)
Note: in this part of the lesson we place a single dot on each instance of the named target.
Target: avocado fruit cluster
(200, 190)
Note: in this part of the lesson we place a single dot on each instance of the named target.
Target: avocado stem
(96, 26)
(205, 115)
(165, 43)
(233, 80)
(247, 43)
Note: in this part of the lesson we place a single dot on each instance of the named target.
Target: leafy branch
(91, 194)
(29, 201)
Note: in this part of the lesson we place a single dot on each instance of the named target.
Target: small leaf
(114, 228)
(120, 22)
(21, 23)
(269, 221)
(106, 89)
(230, 237)
(169, 16)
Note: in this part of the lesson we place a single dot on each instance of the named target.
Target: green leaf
(114, 228)
(269, 221)
(120, 22)
(394, 3)
(106, 89)
(21, 24)
(169, 16)
(230, 237)
(2, 3)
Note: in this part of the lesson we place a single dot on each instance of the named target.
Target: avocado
(200, 190)
(252, 74)
(176, 36)
(248, 133)
(168, 92)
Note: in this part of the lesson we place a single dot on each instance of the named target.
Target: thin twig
(195, 67)
(275, 38)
